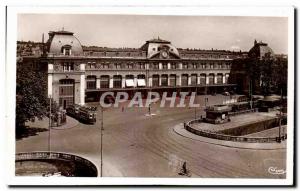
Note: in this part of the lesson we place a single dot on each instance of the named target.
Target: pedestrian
(123, 108)
(184, 170)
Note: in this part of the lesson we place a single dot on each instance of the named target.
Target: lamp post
(280, 115)
(196, 107)
(150, 87)
(49, 133)
(101, 144)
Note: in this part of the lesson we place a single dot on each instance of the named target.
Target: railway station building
(79, 74)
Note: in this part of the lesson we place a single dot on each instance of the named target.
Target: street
(137, 145)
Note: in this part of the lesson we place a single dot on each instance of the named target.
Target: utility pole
(250, 92)
(49, 133)
(196, 101)
(101, 145)
(150, 86)
(280, 114)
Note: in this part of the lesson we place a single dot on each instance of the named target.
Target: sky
(204, 32)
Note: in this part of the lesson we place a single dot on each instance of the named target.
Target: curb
(179, 129)
(71, 122)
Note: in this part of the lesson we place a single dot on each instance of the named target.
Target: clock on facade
(164, 54)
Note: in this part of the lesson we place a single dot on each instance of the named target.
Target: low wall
(82, 167)
(253, 127)
(226, 137)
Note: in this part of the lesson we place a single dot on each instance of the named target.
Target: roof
(60, 39)
(260, 50)
(154, 47)
(158, 40)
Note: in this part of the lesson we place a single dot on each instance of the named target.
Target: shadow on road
(28, 131)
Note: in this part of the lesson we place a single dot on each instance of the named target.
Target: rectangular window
(155, 81)
(90, 84)
(165, 66)
(141, 66)
(193, 79)
(104, 82)
(155, 66)
(67, 67)
(173, 66)
(117, 83)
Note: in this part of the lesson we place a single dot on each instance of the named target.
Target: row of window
(157, 66)
(157, 80)
(135, 54)
(69, 66)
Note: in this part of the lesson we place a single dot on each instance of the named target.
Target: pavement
(255, 146)
(136, 145)
(71, 122)
(44, 123)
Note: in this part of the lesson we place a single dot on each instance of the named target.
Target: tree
(31, 98)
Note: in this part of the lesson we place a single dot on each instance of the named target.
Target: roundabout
(180, 130)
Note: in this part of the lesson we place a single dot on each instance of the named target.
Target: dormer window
(66, 50)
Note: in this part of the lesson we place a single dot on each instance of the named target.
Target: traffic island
(237, 130)
(180, 130)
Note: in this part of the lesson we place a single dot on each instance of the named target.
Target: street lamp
(101, 144)
(280, 115)
(49, 134)
(196, 107)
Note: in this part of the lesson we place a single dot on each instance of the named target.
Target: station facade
(78, 74)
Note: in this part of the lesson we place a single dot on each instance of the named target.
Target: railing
(215, 135)
(242, 112)
(56, 156)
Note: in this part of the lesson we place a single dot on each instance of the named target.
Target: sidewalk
(44, 123)
(179, 129)
(71, 122)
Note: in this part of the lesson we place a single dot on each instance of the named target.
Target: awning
(129, 83)
(141, 82)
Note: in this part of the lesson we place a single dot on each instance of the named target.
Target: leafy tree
(31, 98)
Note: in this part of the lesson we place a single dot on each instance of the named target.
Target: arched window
(155, 80)
(91, 82)
(202, 79)
(164, 80)
(226, 78)
(129, 80)
(104, 81)
(141, 82)
(219, 78)
(173, 80)
(66, 50)
(211, 79)
(184, 79)
(117, 81)
(194, 79)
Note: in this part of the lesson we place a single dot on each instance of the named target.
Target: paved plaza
(138, 145)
